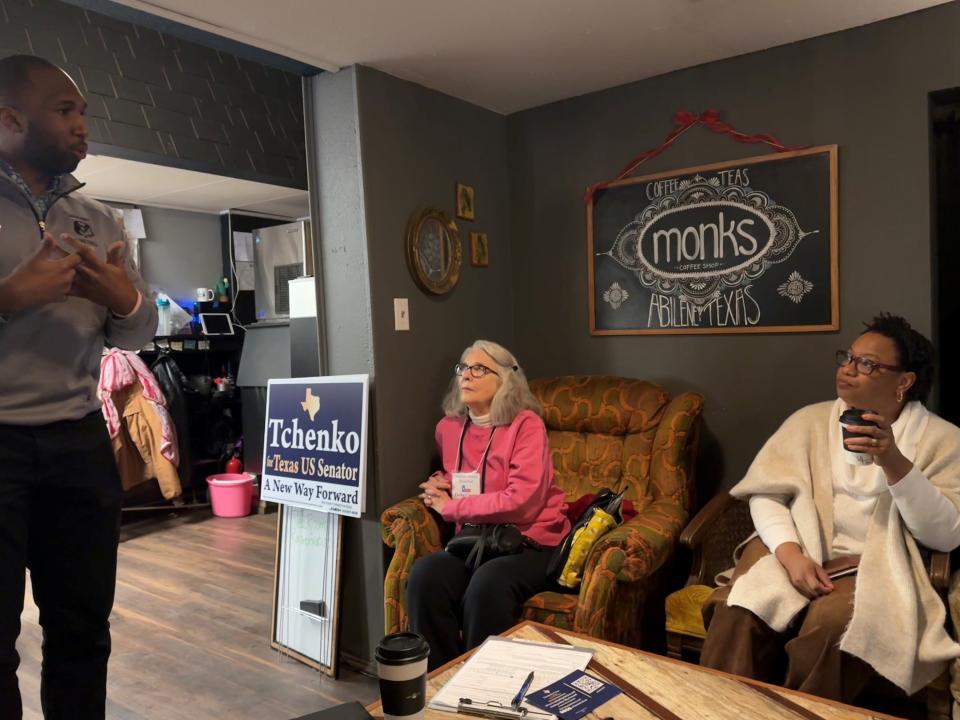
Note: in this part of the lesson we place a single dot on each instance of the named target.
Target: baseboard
(358, 664)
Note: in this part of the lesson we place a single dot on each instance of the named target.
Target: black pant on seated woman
(443, 598)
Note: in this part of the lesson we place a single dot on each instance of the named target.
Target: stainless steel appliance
(280, 253)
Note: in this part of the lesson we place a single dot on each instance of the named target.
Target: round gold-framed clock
(434, 255)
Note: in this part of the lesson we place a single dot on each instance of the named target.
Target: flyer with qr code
(573, 696)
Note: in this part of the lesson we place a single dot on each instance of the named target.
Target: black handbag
(475, 544)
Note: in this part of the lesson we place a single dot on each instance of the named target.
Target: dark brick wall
(161, 98)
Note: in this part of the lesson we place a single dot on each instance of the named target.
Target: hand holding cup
(869, 439)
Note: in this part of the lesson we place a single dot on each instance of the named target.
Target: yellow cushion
(683, 610)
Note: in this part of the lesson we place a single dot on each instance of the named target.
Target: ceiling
(509, 55)
(138, 183)
(504, 55)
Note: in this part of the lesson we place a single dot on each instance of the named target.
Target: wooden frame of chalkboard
(746, 246)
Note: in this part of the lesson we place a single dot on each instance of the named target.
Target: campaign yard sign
(315, 443)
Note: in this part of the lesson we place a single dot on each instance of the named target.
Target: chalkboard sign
(735, 247)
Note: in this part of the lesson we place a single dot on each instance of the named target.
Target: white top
(479, 420)
(932, 519)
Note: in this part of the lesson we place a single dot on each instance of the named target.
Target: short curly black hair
(914, 352)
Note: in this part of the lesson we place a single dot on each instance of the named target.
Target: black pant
(443, 598)
(60, 501)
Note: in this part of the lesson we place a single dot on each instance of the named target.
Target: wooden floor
(191, 628)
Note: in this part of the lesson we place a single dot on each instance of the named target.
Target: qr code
(587, 684)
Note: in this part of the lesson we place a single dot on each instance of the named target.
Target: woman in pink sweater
(496, 469)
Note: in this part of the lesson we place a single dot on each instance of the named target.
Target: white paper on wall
(243, 248)
(244, 275)
(133, 222)
(133, 245)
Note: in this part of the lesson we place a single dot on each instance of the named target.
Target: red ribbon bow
(683, 120)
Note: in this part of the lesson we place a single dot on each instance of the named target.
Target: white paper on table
(245, 278)
(243, 247)
(495, 672)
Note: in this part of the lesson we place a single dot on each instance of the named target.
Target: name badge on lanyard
(466, 484)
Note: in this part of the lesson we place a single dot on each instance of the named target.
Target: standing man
(65, 287)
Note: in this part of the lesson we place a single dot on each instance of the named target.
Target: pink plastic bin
(231, 494)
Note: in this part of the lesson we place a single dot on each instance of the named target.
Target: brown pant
(806, 654)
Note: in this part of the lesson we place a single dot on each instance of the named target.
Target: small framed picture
(479, 249)
(466, 209)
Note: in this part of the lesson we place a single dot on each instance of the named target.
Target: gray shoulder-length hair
(513, 393)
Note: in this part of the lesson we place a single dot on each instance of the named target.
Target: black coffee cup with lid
(402, 667)
(854, 416)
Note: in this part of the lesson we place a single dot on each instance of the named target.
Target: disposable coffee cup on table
(402, 668)
(854, 416)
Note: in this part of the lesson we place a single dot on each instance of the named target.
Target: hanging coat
(172, 382)
(143, 437)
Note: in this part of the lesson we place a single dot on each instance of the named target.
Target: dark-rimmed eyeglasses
(865, 366)
(476, 371)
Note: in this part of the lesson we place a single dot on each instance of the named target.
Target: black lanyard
(483, 459)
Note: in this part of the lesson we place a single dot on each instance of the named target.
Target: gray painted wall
(158, 98)
(416, 145)
(865, 89)
(181, 251)
(338, 213)
(386, 148)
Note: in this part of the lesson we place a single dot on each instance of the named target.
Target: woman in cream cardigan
(783, 619)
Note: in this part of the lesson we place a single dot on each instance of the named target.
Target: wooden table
(660, 688)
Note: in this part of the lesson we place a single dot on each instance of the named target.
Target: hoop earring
(899, 395)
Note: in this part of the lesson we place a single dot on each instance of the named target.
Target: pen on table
(521, 693)
(466, 707)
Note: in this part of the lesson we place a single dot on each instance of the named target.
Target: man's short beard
(48, 161)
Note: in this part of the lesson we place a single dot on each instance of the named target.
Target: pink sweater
(518, 487)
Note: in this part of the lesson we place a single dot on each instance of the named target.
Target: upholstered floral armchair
(604, 432)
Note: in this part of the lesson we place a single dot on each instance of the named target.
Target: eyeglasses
(865, 366)
(476, 371)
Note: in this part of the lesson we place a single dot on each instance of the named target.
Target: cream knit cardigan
(898, 619)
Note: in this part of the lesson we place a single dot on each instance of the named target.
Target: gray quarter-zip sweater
(50, 355)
